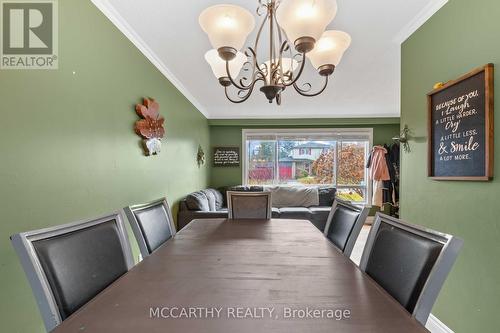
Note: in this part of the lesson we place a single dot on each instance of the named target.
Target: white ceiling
(365, 84)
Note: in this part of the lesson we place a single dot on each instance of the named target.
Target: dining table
(244, 276)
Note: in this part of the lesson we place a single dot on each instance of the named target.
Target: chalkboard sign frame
(228, 148)
(488, 124)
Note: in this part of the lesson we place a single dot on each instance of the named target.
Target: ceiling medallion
(297, 24)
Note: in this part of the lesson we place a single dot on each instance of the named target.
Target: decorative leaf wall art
(150, 127)
(200, 156)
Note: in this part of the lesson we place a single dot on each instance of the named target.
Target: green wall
(461, 36)
(228, 132)
(68, 150)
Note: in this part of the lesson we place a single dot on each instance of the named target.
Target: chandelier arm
(271, 39)
(302, 64)
(259, 7)
(256, 69)
(304, 92)
(244, 98)
(255, 77)
(233, 82)
(284, 47)
(279, 70)
(278, 28)
(256, 72)
(259, 32)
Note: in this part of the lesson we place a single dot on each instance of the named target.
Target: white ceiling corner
(114, 16)
(419, 19)
(365, 84)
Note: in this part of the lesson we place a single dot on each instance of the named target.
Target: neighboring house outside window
(303, 151)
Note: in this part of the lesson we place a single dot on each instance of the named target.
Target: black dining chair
(152, 224)
(410, 262)
(344, 224)
(249, 205)
(70, 264)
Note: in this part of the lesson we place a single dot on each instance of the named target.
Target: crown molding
(305, 122)
(296, 116)
(112, 14)
(426, 13)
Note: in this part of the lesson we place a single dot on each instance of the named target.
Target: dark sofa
(212, 203)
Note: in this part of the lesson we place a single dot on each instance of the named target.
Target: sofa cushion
(219, 199)
(319, 216)
(293, 196)
(211, 199)
(297, 213)
(326, 196)
(197, 201)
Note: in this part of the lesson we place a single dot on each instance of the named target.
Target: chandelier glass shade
(296, 30)
(305, 18)
(219, 66)
(227, 25)
(330, 48)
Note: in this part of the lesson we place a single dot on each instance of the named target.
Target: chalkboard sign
(226, 156)
(460, 128)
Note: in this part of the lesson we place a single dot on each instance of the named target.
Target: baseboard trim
(437, 326)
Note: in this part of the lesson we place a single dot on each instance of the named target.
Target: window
(335, 157)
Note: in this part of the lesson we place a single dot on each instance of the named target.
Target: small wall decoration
(226, 156)
(404, 138)
(150, 128)
(200, 156)
(460, 128)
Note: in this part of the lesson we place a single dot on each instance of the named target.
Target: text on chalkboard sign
(460, 128)
(227, 156)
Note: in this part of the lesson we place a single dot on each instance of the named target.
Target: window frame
(337, 133)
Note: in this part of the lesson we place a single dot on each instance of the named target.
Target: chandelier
(296, 32)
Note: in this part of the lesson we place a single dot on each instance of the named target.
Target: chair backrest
(410, 262)
(249, 205)
(344, 224)
(70, 264)
(152, 224)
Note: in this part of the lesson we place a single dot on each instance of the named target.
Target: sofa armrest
(183, 205)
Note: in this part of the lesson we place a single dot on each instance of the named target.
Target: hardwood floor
(360, 244)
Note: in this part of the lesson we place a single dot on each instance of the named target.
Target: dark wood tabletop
(241, 276)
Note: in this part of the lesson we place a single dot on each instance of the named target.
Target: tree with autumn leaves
(323, 168)
(351, 166)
